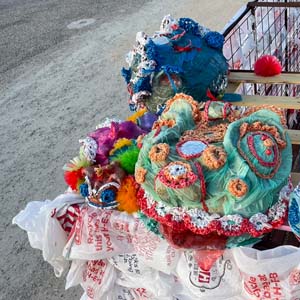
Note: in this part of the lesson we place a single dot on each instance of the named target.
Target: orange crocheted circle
(140, 174)
(160, 123)
(214, 157)
(237, 187)
(159, 152)
(190, 100)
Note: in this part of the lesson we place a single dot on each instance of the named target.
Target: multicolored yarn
(182, 56)
(294, 211)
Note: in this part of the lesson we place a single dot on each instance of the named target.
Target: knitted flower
(159, 152)
(140, 174)
(214, 157)
(237, 187)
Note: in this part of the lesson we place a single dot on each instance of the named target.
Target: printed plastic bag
(222, 281)
(97, 278)
(100, 234)
(270, 274)
(123, 293)
(45, 231)
(154, 251)
(158, 286)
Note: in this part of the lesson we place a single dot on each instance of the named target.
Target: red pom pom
(267, 65)
(72, 178)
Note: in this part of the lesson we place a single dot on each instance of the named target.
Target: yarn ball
(214, 39)
(267, 65)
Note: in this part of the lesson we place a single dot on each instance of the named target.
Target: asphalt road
(56, 85)
(30, 27)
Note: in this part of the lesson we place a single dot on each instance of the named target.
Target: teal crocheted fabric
(205, 173)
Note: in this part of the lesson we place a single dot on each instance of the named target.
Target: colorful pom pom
(74, 172)
(127, 157)
(267, 65)
(119, 144)
(214, 39)
(74, 179)
(126, 196)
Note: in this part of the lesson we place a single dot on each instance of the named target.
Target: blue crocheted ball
(214, 39)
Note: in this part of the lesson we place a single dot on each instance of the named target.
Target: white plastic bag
(100, 234)
(270, 274)
(97, 278)
(45, 231)
(222, 281)
(135, 274)
(154, 251)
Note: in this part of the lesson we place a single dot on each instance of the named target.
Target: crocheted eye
(105, 197)
(177, 175)
(108, 196)
(177, 170)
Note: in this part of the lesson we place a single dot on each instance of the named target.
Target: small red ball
(268, 152)
(267, 65)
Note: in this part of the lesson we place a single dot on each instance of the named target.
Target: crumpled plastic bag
(154, 251)
(45, 231)
(97, 278)
(100, 234)
(269, 274)
(221, 281)
(159, 285)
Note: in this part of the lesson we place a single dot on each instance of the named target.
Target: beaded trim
(201, 222)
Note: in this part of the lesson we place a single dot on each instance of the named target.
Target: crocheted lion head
(182, 57)
(209, 171)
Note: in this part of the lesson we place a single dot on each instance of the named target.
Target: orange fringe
(127, 195)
